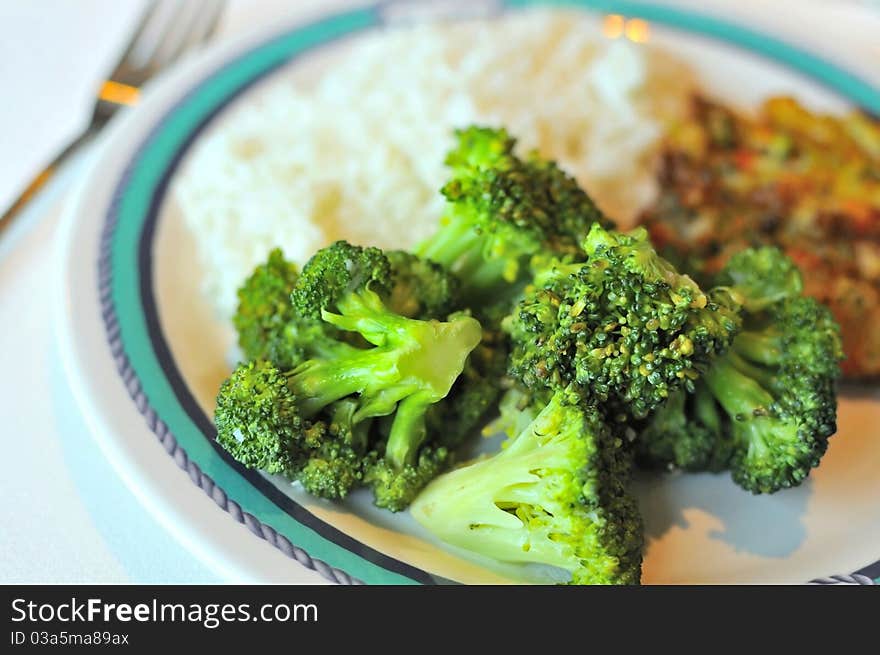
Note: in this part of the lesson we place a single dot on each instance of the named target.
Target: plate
(145, 353)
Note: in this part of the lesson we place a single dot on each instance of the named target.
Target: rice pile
(358, 153)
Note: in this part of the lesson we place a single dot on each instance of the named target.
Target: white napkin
(53, 54)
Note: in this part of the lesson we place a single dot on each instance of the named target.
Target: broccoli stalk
(410, 364)
(554, 495)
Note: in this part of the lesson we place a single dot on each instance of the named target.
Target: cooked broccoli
(318, 410)
(686, 432)
(269, 327)
(260, 423)
(555, 495)
(264, 312)
(760, 277)
(500, 211)
(395, 488)
(624, 326)
(777, 386)
(767, 407)
(413, 363)
(421, 288)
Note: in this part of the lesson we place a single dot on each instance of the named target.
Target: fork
(167, 29)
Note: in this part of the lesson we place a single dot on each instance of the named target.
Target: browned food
(806, 182)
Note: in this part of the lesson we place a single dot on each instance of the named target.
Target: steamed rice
(358, 154)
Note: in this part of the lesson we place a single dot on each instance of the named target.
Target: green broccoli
(412, 363)
(394, 488)
(766, 408)
(320, 409)
(760, 277)
(264, 312)
(555, 495)
(269, 328)
(686, 432)
(259, 422)
(623, 326)
(500, 211)
(777, 387)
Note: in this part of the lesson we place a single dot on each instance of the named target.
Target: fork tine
(147, 16)
(135, 65)
(214, 22)
(174, 38)
(195, 18)
(207, 22)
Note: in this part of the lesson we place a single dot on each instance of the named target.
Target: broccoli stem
(408, 431)
(364, 312)
(741, 396)
(484, 275)
(706, 410)
(451, 242)
(318, 383)
(345, 419)
(737, 385)
(761, 347)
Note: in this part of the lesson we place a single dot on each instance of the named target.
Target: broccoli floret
(686, 432)
(555, 495)
(395, 488)
(777, 387)
(623, 326)
(500, 211)
(332, 471)
(421, 288)
(766, 408)
(267, 324)
(311, 417)
(761, 277)
(257, 418)
(264, 310)
(411, 365)
(259, 422)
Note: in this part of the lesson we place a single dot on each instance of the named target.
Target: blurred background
(66, 516)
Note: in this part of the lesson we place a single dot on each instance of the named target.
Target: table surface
(67, 517)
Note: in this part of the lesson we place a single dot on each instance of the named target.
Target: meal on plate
(383, 326)
(806, 182)
(369, 367)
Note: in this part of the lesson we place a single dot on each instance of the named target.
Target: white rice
(358, 153)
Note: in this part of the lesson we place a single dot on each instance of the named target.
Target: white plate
(145, 356)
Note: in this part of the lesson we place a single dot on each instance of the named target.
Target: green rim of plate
(131, 223)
